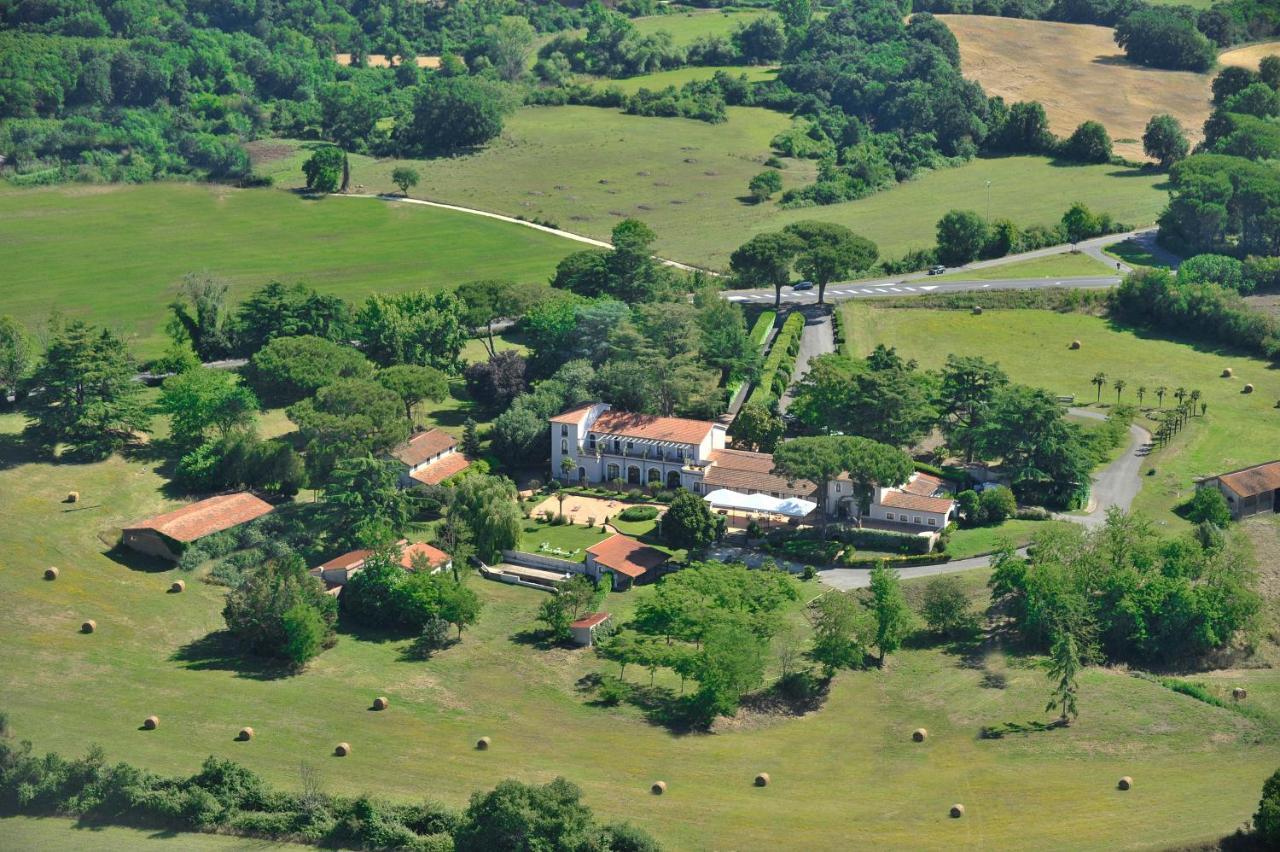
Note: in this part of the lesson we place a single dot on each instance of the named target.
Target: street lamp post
(988, 204)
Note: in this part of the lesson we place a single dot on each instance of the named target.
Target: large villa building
(604, 445)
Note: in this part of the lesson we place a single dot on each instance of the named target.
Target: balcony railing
(642, 455)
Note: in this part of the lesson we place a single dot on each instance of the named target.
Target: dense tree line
(1124, 593)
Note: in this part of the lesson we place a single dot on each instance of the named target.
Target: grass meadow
(1050, 267)
(679, 76)
(586, 168)
(115, 255)
(1237, 430)
(847, 773)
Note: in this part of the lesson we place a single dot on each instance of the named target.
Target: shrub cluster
(775, 375)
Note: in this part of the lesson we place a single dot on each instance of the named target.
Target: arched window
(633, 475)
(655, 475)
(673, 479)
(613, 473)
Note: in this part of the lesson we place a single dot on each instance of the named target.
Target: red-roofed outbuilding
(168, 535)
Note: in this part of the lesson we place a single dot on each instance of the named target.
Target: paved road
(818, 339)
(1115, 485)
(921, 283)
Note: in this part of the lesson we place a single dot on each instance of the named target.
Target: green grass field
(53, 833)
(586, 168)
(115, 255)
(1239, 429)
(847, 771)
(1054, 266)
(679, 76)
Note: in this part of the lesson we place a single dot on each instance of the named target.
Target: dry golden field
(1250, 55)
(1078, 73)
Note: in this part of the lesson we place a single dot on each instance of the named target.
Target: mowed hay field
(1238, 429)
(1250, 56)
(679, 76)
(586, 168)
(115, 255)
(1079, 74)
(845, 776)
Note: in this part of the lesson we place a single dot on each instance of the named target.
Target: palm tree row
(1186, 399)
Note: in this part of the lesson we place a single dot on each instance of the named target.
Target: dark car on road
(802, 285)
(937, 270)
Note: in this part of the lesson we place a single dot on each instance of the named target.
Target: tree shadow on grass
(377, 635)
(219, 651)
(542, 640)
(999, 732)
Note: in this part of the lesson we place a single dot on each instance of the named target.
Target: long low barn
(168, 535)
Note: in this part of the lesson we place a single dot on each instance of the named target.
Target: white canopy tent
(791, 507)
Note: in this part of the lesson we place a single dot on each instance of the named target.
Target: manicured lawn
(849, 764)
(1133, 254)
(1051, 267)
(679, 76)
(981, 540)
(115, 255)
(1238, 430)
(586, 168)
(571, 540)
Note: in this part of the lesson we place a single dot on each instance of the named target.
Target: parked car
(803, 285)
(937, 270)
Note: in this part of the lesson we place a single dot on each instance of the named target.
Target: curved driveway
(1115, 485)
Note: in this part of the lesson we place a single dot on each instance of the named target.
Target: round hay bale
(178, 587)
(1125, 783)
(1075, 344)
(658, 788)
(89, 626)
(245, 735)
(342, 749)
(762, 780)
(1227, 373)
(1247, 389)
(51, 573)
(977, 310)
(381, 703)
(72, 497)
(1239, 693)
(151, 723)
(919, 735)
(483, 744)
(957, 811)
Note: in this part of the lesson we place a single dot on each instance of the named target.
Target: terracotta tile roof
(903, 500)
(592, 620)
(925, 485)
(435, 556)
(573, 415)
(423, 446)
(439, 471)
(627, 556)
(747, 472)
(205, 517)
(1253, 480)
(354, 559)
(675, 429)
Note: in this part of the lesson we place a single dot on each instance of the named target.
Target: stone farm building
(168, 535)
(338, 571)
(603, 445)
(1250, 490)
(584, 629)
(429, 458)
